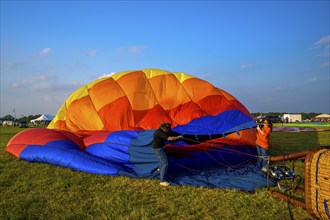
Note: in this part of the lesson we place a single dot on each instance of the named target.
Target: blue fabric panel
(143, 138)
(247, 125)
(110, 151)
(221, 168)
(213, 159)
(66, 154)
(122, 137)
(142, 156)
(129, 153)
(220, 124)
(115, 148)
(246, 178)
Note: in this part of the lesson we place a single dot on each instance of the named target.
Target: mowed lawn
(43, 191)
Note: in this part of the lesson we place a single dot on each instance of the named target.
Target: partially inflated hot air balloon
(106, 127)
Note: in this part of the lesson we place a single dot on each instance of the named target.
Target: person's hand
(179, 137)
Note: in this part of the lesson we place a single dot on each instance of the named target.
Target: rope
(215, 147)
(231, 150)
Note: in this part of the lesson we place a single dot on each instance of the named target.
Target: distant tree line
(255, 114)
(26, 119)
(304, 115)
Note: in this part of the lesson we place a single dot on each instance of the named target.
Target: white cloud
(324, 65)
(285, 88)
(128, 52)
(313, 79)
(247, 66)
(324, 53)
(132, 50)
(106, 75)
(323, 42)
(45, 52)
(91, 53)
(30, 82)
(136, 49)
(44, 83)
(12, 65)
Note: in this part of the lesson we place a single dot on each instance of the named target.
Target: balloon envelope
(106, 127)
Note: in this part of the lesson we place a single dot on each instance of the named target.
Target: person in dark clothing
(161, 135)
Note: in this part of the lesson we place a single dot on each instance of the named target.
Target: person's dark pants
(262, 160)
(161, 155)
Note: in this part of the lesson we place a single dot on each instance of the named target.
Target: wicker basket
(317, 183)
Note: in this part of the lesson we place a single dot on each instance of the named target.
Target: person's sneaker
(164, 183)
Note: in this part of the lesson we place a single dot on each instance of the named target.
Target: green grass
(43, 191)
(322, 125)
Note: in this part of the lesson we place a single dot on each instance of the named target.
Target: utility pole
(15, 119)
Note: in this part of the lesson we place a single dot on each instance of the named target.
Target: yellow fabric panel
(105, 92)
(182, 76)
(168, 91)
(120, 74)
(79, 93)
(59, 116)
(81, 115)
(144, 90)
(150, 73)
(91, 84)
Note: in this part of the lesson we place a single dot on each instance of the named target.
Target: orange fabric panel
(246, 137)
(154, 117)
(235, 102)
(105, 92)
(215, 104)
(118, 115)
(133, 98)
(185, 113)
(226, 94)
(81, 115)
(60, 124)
(241, 107)
(168, 91)
(198, 89)
(138, 90)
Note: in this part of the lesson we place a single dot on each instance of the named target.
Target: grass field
(42, 191)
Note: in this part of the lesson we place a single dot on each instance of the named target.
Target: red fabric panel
(98, 137)
(118, 115)
(40, 136)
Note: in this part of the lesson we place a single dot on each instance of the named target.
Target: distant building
(291, 118)
(322, 118)
(8, 123)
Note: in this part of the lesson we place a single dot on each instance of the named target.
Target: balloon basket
(316, 191)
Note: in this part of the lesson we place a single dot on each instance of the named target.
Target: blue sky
(273, 56)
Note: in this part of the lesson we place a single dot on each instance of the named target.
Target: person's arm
(174, 138)
(260, 130)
